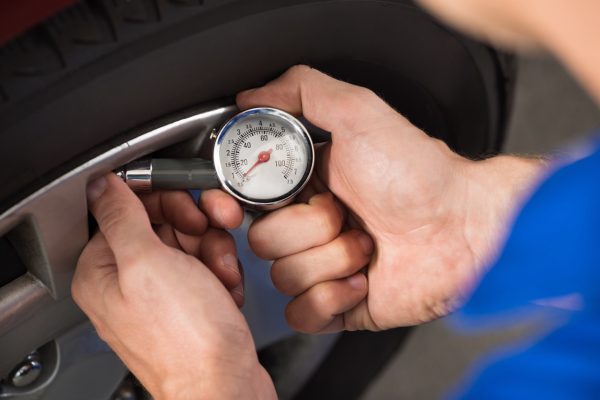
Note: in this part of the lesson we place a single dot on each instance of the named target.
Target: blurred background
(86, 54)
(550, 111)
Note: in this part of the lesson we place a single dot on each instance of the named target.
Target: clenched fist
(394, 228)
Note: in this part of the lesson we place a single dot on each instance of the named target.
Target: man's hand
(163, 300)
(387, 196)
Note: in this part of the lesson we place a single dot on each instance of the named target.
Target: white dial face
(264, 155)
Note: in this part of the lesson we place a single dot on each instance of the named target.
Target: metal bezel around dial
(269, 114)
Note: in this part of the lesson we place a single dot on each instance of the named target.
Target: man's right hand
(385, 195)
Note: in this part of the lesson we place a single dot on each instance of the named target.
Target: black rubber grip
(189, 173)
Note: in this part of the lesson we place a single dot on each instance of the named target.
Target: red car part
(18, 16)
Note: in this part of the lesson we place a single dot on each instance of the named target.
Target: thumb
(121, 217)
(335, 106)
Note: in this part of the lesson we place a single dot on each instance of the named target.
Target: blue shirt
(552, 251)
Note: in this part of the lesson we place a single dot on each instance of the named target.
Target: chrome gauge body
(263, 157)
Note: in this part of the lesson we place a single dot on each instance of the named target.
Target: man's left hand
(164, 297)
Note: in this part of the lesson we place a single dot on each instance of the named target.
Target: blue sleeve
(552, 251)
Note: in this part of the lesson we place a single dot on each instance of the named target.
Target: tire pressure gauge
(262, 156)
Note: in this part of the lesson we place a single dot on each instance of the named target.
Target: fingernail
(96, 188)
(365, 242)
(238, 294)
(357, 281)
(239, 289)
(230, 262)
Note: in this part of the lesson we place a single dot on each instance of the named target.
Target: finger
(296, 228)
(121, 218)
(320, 180)
(326, 102)
(323, 165)
(216, 249)
(218, 252)
(356, 318)
(176, 208)
(167, 235)
(315, 185)
(312, 188)
(318, 307)
(340, 258)
(305, 195)
(95, 277)
(189, 244)
(222, 209)
(238, 292)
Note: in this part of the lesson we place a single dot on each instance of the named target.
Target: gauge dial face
(263, 156)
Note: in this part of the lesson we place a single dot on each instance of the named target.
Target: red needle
(263, 157)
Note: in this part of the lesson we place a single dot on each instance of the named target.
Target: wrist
(216, 381)
(495, 189)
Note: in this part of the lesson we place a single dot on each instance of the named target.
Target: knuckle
(77, 292)
(102, 331)
(113, 215)
(323, 299)
(296, 318)
(290, 316)
(348, 268)
(296, 214)
(300, 71)
(135, 269)
(137, 261)
(350, 254)
(257, 242)
(254, 231)
(134, 265)
(327, 220)
(341, 250)
(263, 234)
(278, 277)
